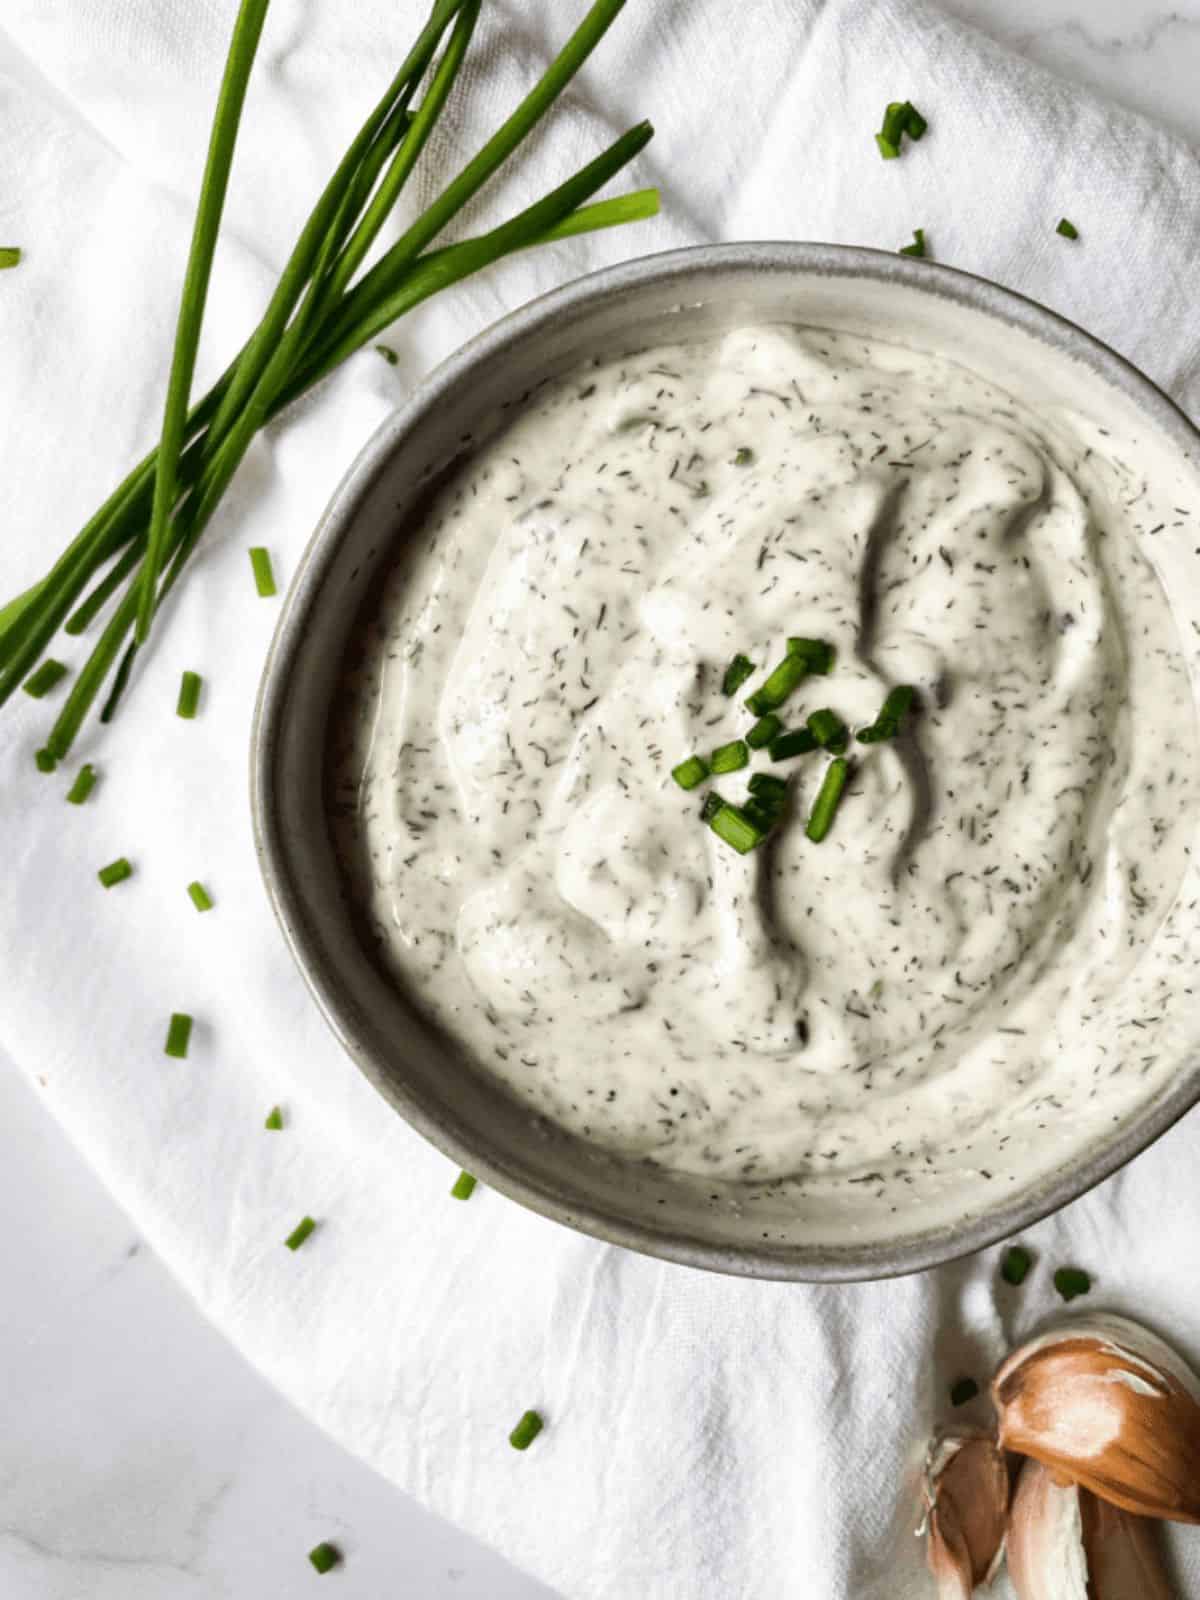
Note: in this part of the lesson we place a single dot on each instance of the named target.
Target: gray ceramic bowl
(684, 294)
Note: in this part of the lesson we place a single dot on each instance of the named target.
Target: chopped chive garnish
(1071, 1281)
(891, 716)
(797, 743)
(779, 686)
(1067, 229)
(736, 673)
(769, 788)
(325, 1557)
(46, 760)
(744, 457)
(915, 125)
(1015, 1267)
(917, 247)
(189, 695)
(887, 149)
(828, 799)
(40, 682)
(764, 730)
(965, 1389)
(179, 1033)
(274, 1119)
(688, 774)
(85, 782)
(731, 757)
(264, 577)
(895, 122)
(761, 814)
(464, 1186)
(10, 256)
(817, 655)
(736, 828)
(200, 897)
(300, 1233)
(115, 872)
(526, 1431)
(712, 804)
(828, 729)
(388, 354)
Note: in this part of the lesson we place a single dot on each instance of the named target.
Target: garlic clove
(1105, 1403)
(966, 1498)
(1064, 1544)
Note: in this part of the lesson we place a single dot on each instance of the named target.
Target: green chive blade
(10, 256)
(179, 1035)
(1067, 229)
(325, 1557)
(200, 897)
(264, 576)
(736, 673)
(828, 799)
(1014, 1268)
(1072, 1282)
(691, 773)
(303, 1230)
(464, 1186)
(730, 757)
(40, 682)
(85, 782)
(115, 872)
(274, 1120)
(526, 1431)
(189, 695)
(962, 1391)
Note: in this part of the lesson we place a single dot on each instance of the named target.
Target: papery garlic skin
(1105, 1403)
(966, 1496)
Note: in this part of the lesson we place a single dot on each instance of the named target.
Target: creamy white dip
(981, 948)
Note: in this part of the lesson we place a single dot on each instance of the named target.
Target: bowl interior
(684, 295)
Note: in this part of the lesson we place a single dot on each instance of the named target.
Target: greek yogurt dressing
(984, 947)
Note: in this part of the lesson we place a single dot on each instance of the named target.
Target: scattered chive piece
(965, 1389)
(892, 713)
(464, 1186)
(768, 787)
(828, 799)
(115, 872)
(1067, 229)
(189, 695)
(917, 247)
(526, 1431)
(85, 782)
(388, 354)
(780, 685)
(300, 1233)
(325, 1557)
(40, 682)
(10, 256)
(274, 1119)
(736, 673)
(797, 743)
(915, 125)
(761, 814)
(895, 122)
(46, 760)
(691, 772)
(828, 729)
(179, 1033)
(887, 149)
(200, 897)
(1071, 1281)
(1015, 1267)
(731, 757)
(264, 578)
(744, 457)
(817, 655)
(764, 730)
(736, 828)
(712, 804)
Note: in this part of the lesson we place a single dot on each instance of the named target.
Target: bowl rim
(819, 1263)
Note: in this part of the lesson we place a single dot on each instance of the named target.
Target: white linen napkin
(706, 1438)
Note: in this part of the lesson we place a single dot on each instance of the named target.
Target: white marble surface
(140, 1458)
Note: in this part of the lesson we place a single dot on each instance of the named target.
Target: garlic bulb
(966, 1496)
(1064, 1544)
(1106, 1404)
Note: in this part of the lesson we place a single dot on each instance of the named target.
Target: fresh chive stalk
(264, 576)
(779, 686)
(43, 679)
(798, 742)
(303, 1230)
(464, 1186)
(179, 1035)
(85, 782)
(200, 897)
(691, 773)
(115, 872)
(189, 695)
(829, 797)
(730, 757)
(324, 1557)
(526, 1431)
(764, 730)
(736, 673)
